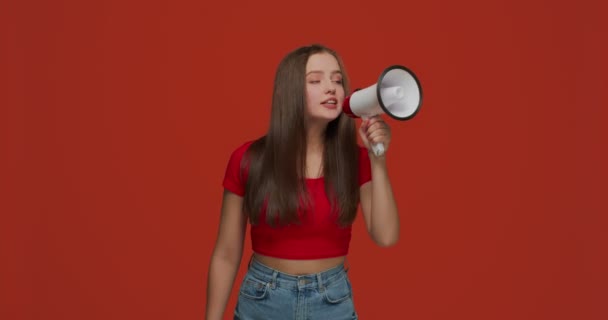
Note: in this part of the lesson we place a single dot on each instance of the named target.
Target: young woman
(300, 186)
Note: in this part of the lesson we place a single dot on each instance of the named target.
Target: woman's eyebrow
(319, 71)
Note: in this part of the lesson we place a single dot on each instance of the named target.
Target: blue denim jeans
(268, 294)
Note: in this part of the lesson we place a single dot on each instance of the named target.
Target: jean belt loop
(320, 282)
(273, 282)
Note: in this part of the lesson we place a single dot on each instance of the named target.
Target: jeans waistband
(277, 278)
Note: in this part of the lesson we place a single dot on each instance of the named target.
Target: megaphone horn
(397, 93)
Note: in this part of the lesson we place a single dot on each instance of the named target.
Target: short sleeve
(365, 169)
(234, 179)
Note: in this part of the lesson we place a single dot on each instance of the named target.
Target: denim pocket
(338, 291)
(253, 288)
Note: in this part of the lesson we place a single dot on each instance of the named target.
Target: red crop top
(317, 236)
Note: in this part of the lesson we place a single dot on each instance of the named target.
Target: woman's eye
(314, 81)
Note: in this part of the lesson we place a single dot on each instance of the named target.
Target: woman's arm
(226, 257)
(377, 201)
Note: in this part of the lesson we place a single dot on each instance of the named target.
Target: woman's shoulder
(239, 151)
(237, 169)
(241, 148)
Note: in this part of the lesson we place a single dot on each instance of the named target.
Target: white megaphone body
(397, 93)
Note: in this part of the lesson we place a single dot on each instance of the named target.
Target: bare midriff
(299, 267)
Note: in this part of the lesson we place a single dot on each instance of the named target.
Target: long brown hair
(277, 161)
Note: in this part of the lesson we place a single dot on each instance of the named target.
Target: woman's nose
(330, 88)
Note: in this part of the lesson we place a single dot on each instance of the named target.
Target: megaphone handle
(377, 148)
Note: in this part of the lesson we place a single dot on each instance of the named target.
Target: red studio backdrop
(117, 119)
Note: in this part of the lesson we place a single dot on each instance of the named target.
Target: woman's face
(324, 90)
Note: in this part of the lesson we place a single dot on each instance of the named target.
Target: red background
(117, 119)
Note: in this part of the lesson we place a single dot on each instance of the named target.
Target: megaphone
(397, 93)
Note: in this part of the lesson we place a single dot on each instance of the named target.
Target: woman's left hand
(374, 130)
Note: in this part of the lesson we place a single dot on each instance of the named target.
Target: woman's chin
(325, 115)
